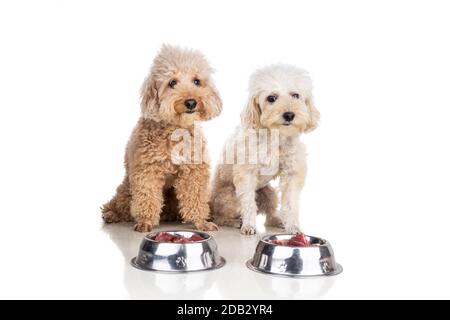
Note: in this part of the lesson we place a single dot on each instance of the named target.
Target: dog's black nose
(190, 104)
(289, 116)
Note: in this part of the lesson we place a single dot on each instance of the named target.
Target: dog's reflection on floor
(213, 284)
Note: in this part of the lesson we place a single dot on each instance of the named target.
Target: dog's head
(281, 98)
(179, 89)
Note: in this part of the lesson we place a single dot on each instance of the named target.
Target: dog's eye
(172, 83)
(272, 99)
(197, 82)
(295, 95)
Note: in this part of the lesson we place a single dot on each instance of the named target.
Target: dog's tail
(118, 208)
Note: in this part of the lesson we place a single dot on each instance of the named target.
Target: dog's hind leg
(224, 207)
(267, 202)
(118, 208)
(233, 223)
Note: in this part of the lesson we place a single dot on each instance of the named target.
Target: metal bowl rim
(221, 263)
(338, 270)
(264, 239)
(153, 234)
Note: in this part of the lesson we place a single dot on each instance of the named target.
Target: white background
(378, 183)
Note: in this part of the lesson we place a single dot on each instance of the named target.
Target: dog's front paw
(294, 229)
(248, 230)
(143, 227)
(206, 226)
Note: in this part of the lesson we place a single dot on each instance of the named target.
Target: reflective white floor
(233, 281)
(93, 261)
(89, 260)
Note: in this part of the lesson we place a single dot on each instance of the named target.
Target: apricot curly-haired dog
(178, 92)
(281, 104)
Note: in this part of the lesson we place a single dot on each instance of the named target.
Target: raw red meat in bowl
(175, 238)
(298, 240)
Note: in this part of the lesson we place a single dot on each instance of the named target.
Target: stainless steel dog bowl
(311, 261)
(178, 257)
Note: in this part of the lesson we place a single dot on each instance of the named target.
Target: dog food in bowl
(298, 240)
(175, 238)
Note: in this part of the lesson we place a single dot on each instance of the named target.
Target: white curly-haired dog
(280, 107)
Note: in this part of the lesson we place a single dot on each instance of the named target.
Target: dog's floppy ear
(314, 115)
(250, 115)
(149, 99)
(214, 107)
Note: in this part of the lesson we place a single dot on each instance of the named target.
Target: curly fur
(241, 190)
(155, 188)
